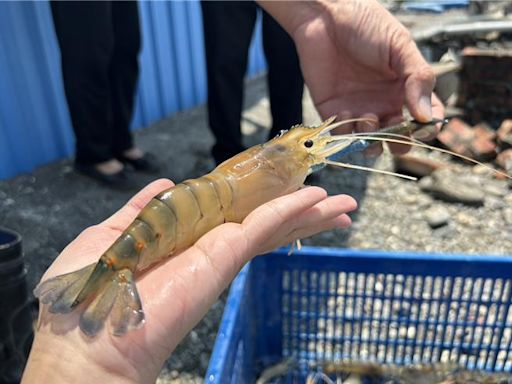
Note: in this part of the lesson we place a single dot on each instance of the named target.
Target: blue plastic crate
(324, 304)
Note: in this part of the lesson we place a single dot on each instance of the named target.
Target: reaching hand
(358, 60)
(175, 294)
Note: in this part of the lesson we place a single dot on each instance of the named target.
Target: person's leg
(124, 71)
(228, 28)
(123, 76)
(285, 82)
(84, 33)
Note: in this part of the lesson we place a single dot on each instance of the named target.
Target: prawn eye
(308, 143)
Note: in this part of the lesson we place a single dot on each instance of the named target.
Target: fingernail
(425, 108)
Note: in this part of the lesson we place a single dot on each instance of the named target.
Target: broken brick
(504, 134)
(483, 149)
(483, 146)
(484, 131)
(457, 136)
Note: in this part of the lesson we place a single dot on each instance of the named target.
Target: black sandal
(120, 180)
(147, 163)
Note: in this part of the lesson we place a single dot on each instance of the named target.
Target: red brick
(483, 149)
(457, 136)
(483, 146)
(484, 131)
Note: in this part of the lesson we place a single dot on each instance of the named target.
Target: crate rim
(398, 255)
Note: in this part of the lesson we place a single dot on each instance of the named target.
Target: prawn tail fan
(102, 290)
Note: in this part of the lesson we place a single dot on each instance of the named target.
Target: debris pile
(481, 142)
(485, 88)
(469, 45)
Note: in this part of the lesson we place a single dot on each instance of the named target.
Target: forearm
(292, 14)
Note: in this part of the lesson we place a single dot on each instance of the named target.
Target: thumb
(419, 78)
(418, 93)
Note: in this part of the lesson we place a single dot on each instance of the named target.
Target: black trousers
(228, 27)
(99, 44)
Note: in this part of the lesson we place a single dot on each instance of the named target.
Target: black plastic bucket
(16, 326)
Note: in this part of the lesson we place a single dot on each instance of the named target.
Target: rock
(504, 134)
(507, 215)
(504, 160)
(415, 165)
(7, 202)
(483, 170)
(466, 219)
(493, 202)
(497, 188)
(437, 216)
(448, 186)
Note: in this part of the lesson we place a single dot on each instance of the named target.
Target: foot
(109, 167)
(140, 161)
(110, 173)
(133, 153)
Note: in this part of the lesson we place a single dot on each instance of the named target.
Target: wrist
(54, 360)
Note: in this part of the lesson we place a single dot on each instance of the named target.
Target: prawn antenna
(361, 168)
(329, 126)
(402, 139)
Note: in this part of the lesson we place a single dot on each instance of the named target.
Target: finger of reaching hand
(371, 125)
(345, 128)
(438, 111)
(122, 218)
(397, 149)
(418, 93)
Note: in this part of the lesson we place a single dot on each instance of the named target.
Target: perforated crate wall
(325, 304)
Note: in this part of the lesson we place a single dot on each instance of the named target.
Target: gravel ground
(50, 206)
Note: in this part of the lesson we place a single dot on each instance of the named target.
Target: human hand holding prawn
(359, 61)
(176, 294)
